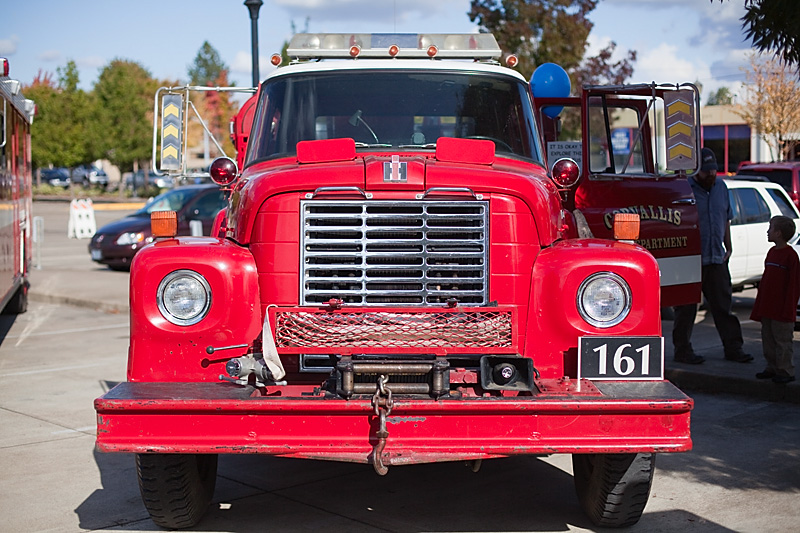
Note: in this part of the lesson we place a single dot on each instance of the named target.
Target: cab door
(635, 146)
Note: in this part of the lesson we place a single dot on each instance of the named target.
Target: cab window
(617, 150)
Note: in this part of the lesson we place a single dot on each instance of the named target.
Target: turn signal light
(164, 224)
(626, 226)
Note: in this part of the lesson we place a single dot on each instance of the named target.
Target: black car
(116, 243)
(88, 175)
(57, 177)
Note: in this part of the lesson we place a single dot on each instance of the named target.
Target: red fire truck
(16, 116)
(419, 263)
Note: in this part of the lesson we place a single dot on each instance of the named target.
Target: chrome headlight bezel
(167, 306)
(611, 283)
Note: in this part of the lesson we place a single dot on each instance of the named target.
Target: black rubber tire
(176, 488)
(613, 489)
(18, 303)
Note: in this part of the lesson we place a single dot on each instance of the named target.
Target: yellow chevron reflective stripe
(169, 151)
(678, 106)
(173, 110)
(680, 150)
(679, 128)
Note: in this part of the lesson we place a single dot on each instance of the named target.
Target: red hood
(401, 175)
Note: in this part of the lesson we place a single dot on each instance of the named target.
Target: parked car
(753, 204)
(57, 177)
(88, 175)
(116, 243)
(140, 179)
(785, 173)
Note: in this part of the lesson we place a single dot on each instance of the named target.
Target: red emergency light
(4, 66)
(565, 172)
(223, 171)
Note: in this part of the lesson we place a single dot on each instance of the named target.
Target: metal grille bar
(394, 253)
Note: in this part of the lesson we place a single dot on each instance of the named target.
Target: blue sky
(676, 40)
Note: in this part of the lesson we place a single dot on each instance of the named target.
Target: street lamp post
(254, 6)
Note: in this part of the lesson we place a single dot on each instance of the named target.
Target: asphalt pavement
(67, 275)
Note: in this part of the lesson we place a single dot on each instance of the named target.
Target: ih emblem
(395, 171)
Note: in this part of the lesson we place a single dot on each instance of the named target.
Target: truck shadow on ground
(6, 321)
(258, 493)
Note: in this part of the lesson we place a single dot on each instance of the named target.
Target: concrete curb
(77, 302)
(693, 381)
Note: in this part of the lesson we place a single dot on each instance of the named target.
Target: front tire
(613, 489)
(176, 488)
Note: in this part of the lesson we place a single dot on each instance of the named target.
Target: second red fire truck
(420, 262)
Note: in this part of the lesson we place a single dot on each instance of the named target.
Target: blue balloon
(550, 81)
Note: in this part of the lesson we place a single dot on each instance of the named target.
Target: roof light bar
(399, 45)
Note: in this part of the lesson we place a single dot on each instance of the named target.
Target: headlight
(184, 297)
(604, 299)
(130, 238)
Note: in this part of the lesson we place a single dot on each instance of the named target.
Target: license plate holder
(621, 358)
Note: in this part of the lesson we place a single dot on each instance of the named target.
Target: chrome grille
(394, 253)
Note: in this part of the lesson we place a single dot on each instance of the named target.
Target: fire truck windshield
(393, 109)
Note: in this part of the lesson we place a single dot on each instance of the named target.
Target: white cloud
(91, 62)
(243, 64)
(50, 56)
(8, 46)
(380, 12)
(664, 65)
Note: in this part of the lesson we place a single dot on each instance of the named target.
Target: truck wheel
(176, 488)
(19, 302)
(613, 488)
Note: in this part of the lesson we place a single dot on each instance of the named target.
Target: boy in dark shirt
(776, 302)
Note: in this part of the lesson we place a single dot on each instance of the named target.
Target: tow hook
(382, 404)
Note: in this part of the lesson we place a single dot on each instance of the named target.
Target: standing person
(715, 214)
(776, 302)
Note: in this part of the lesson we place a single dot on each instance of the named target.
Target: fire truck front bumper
(607, 417)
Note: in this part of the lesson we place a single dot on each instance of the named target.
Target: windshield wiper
(365, 145)
(428, 145)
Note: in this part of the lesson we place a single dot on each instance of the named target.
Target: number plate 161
(621, 358)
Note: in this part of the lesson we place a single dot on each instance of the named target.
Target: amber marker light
(432, 51)
(355, 50)
(511, 61)
(394, 50)
(275, 59)
(626, 226)
(163, 224)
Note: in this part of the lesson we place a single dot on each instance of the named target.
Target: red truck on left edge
(16, 117)
(419, 263)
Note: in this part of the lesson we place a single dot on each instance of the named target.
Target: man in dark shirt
(715, 214)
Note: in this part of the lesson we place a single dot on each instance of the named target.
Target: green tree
(207, 66)
(124, 93)
(60, 132)
(774, 27)
(555, 31)
(722, 96)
